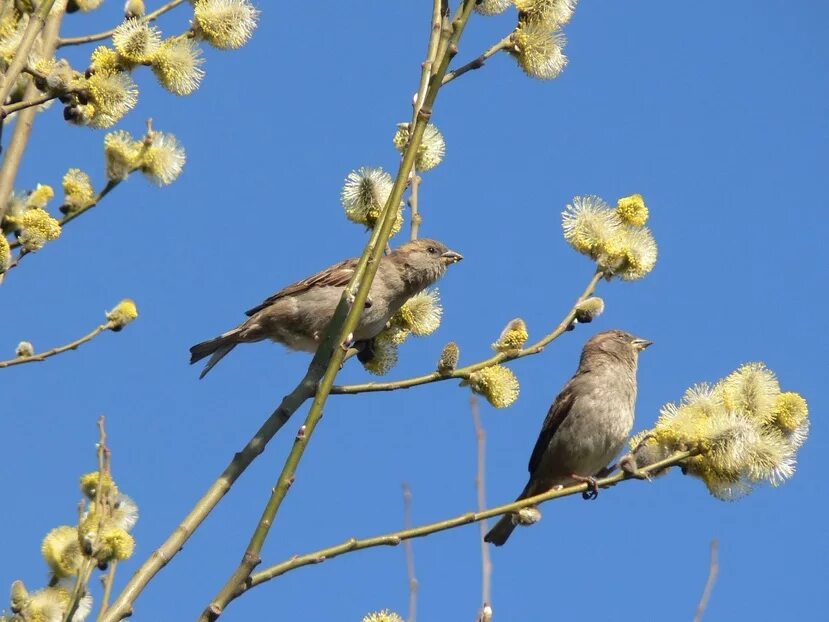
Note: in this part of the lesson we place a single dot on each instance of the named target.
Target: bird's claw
(348, 343)
(592, 491)
(631, 469)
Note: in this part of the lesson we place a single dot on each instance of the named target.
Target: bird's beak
(641, 344)
(450, 257)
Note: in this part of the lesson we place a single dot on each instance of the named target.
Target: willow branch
(480, 488)
(713, 571)
(396, 537)
(149, 17)
(477, 63)
(463, 372)
(331, 352)
(416, 218)
(5, 111)
(111, 184)
(410, 565)
(108, 581)
(24, 121)
(21, 54)
(42, 356)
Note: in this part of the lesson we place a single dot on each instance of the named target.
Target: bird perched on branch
(298, 315)
(587, 424)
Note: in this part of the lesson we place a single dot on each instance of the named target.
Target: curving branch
(396, 537)
(36, 358)
(149, 17)
(5, 111)
(476, 63)
(332, 351)
(461, 373)
(713, 571)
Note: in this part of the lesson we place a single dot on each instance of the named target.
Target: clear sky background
(715, 111)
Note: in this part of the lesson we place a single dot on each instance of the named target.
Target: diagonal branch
(480, 488)
(462, 373)
(396, 537)
(477, 63)
(149, 17)
(713, 571)
(35, 358)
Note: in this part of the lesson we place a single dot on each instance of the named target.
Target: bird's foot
(592, 491)
(348, 343)
(631, 469)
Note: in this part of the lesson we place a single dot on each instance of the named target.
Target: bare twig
(480, 488)
(108, 582)
(108, 33)
(396, 537)
(26, 103)
(407, 546)
(478, 62)
(713, 571)
(416, 218)
(42, 356)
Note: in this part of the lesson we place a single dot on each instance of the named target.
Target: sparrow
(298, 315)
(587, 423)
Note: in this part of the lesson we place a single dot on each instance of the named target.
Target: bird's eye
(432, 250)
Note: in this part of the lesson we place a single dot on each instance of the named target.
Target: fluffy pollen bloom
(589, 309)
(137, 41)
(19, 596)
(162, 158)
(421, 314)
(631, 253)
(5, 253)
(177, 65)
(40, 196)
(753, 390)
(122, 154)
(77, 190)
(492, 7)
(384, 354)
(225, 24)
(123, 313)
(113, 95)
(734, 425)
(50, 605)
(62, 551)
(11, 35)
(550, 12)
(513, 337)
(589, 224)
(24, 348)
(383, 616)
(106, 60)
(432, 146)
(114, 543)
(449, 356)
(124, 512)
(539, 49)
(36, 228)
(790, 412)
(364, 195)
(497, 384)
(90, 481)
(632, 210)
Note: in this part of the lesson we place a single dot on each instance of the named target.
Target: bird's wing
(337, 275)
(558, 412)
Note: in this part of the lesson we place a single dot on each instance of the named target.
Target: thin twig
(331, 352)
(108, 33)
(480, 488)
(108, 582)
(407, 546)
(477, 63)
(42, 356)
(713, 571)
(464, 372)
(416, 218)
(5, 111)
(396, 537)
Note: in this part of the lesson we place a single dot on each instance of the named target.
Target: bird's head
(615, 344)
(423, 261)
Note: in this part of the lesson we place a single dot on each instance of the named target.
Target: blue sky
(715, 112)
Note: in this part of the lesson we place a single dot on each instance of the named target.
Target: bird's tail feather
(216, 349)
(503, 529)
